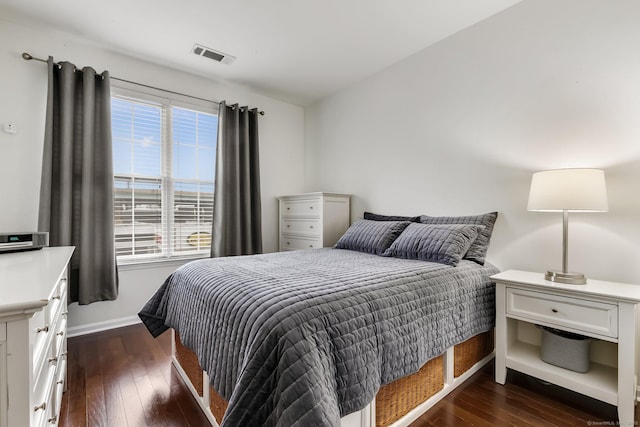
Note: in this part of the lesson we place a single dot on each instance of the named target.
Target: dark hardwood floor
(124, 377)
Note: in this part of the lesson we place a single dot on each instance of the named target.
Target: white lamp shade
(568, 189)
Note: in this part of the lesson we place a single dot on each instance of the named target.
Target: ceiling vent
(212, 54)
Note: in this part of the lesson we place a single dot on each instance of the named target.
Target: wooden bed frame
(396, 404)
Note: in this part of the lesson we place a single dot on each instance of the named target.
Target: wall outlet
(10, 128)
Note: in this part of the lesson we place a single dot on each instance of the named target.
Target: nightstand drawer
(310, 227)
(296, 243)
(580, 315)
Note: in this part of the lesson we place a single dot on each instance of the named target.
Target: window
(163, 163)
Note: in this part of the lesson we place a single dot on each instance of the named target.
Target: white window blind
(164, 163)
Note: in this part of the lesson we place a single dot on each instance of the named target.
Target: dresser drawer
(311, 227)
(58, 300)
(40, 339)
(43, 403)
(581, 315)
(49, 361)
(296, 243)
(59, 339)
(58, 389)
(301, 208)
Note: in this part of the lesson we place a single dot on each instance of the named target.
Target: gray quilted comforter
(303, 338)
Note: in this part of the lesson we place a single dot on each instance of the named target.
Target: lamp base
(568, 278)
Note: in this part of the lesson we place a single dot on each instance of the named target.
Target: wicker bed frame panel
(217, 404)
(393, 400)
(189, 362)
(396, 399)
(468, 353)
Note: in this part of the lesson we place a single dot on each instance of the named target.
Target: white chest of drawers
(33, 336)
(312, 220)
(602, 310)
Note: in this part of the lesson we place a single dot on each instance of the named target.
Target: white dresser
(313, 220)
(33, 336)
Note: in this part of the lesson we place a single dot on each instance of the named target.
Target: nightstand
(602, 310)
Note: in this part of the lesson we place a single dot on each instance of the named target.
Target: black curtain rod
(29, 57)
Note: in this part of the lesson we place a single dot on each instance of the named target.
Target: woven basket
(189, 362)
(396, 399)
(470, 352)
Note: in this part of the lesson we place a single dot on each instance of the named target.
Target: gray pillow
(376, 217)
(445, 243)
(372, 237)
(478, 249)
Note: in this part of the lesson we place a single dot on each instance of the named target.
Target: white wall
(23, 88)
(459, 128)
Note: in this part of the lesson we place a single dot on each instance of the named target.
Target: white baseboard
(90, 328)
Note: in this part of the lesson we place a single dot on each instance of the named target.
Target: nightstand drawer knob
(554, 310)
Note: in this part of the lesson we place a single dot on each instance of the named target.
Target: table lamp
(568, 190)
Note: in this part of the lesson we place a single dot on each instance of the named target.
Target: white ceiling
(298, 51)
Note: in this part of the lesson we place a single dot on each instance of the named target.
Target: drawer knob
(45, 329)
(53, 420)
(56, 297)
(288, 208)
(42, 406)
(288, 226)
(287, 243)
(52, 360)
(554, 310)
(64, 313)
(60, 382)
(310, 246)
(311, 226)
(310, 207)
(61, 333)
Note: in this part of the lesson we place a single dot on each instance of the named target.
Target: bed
(326, 336)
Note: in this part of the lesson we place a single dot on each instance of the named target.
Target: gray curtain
(237, 223)
(76, 192)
